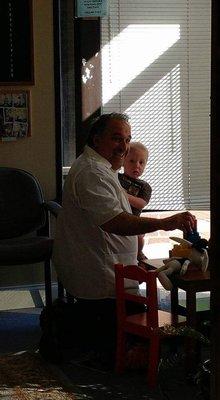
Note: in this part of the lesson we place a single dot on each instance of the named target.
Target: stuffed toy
(187, 255)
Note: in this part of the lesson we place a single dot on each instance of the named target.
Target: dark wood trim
(87, 89)
(215, 201)
(57, 84)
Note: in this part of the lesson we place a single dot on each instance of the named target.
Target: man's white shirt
(84, 255)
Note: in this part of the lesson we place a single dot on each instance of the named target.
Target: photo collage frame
(14, 115)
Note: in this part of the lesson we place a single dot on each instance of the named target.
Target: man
(96, 228)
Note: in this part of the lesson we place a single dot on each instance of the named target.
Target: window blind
(156, 68)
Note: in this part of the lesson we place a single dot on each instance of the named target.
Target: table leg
(192, 346)
(174, 300)
(174, 303)
(191, 308)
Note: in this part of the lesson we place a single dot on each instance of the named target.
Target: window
(156, 67)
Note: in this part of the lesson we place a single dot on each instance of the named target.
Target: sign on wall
(91, 8)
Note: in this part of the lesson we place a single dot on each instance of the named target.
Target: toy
(186, 255)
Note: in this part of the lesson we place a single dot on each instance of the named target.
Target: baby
(138, 191)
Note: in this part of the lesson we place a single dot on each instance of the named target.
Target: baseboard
(36, 286)
(24, 296)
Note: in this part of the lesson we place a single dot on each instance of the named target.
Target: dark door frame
(215, 200)
(87, 67)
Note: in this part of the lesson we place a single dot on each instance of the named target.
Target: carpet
(98, 384)
(27, 376)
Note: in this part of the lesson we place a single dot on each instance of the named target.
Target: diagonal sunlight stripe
(142, 44)
(156, 121)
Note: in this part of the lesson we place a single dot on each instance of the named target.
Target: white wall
(36, 153)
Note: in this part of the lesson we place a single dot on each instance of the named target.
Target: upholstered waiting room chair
(148, 324)
(23, 212)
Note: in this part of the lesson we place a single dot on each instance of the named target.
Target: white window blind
(156, 68)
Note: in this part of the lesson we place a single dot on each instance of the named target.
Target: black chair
(22, 212)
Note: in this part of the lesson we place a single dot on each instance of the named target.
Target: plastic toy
(184, 256)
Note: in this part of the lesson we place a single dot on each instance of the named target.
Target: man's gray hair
(99, 124)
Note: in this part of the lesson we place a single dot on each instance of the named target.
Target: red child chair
(148, 324)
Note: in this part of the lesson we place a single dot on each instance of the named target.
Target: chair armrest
(53, 207)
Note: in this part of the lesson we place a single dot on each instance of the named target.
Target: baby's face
(135, 162)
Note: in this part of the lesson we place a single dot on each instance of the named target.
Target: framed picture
(14, 115)
(16, 42)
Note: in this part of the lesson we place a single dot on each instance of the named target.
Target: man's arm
(136, 202)
(126, 224)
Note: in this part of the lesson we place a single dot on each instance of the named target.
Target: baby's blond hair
(139, 145)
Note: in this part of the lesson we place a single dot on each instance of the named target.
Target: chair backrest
(21, 203)
(139, 274)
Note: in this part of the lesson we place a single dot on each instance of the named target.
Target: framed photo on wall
(16, 42)
(14, 115)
